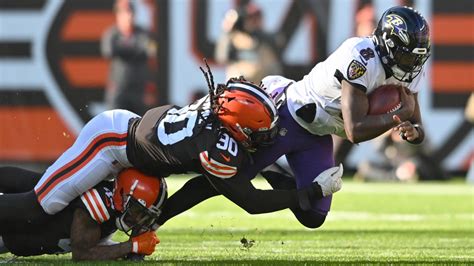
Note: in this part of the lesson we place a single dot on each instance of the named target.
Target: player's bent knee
(311, 220)
(313, 224)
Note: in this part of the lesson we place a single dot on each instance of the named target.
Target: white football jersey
(354, 61)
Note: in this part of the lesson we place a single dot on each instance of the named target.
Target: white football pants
(98, 153)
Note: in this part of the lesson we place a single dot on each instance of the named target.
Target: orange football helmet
(139, 198)
(248, 113)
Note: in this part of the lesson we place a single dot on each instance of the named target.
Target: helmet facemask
(136, 216)
(264, 138)
(256, 139)
(405, 64)
(139, 199)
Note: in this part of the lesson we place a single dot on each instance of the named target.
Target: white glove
(330, 180)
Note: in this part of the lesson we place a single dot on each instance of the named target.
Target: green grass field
(368, 223)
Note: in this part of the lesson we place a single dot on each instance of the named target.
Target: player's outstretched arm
(85, 237)
(361, 127)
(240, 190)
(193, 192)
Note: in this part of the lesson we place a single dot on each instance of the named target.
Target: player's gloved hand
(145, 243)
(325, 184)
(330, 180)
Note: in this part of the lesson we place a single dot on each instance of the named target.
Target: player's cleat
(330, 180)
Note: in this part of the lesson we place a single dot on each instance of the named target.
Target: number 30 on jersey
(228, 143)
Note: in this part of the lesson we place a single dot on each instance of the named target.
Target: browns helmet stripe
(259, 94)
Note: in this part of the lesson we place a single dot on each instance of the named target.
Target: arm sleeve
(240, 190)
(224, 167)
(96, 203)
(194, 191)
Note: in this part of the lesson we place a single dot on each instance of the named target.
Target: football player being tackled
(132, 202)
(332, 99)
(214, 136)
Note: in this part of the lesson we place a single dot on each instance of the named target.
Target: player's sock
(192, 193)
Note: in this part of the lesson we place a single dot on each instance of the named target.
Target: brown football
(384, 99)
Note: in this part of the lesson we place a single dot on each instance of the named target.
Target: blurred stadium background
(52, 75)
(53, 79)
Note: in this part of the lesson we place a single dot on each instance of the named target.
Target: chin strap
(382, 56)
(421, 135)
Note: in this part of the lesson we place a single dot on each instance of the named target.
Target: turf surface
(369, 223)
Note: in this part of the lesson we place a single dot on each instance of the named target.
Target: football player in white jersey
(332, 99)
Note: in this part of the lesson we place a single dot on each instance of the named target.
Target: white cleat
(330, 180)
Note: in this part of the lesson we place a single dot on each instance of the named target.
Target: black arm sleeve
(240, 190)
(191, 194)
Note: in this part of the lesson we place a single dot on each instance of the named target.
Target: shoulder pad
(358, 62)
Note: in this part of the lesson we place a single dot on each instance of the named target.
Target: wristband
(417, 127)
(135, 247)
(419, 139)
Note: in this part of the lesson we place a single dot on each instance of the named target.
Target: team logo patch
(399, 27)
(355, 70)
(283, 131)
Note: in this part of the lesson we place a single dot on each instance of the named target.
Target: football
(384, 99)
